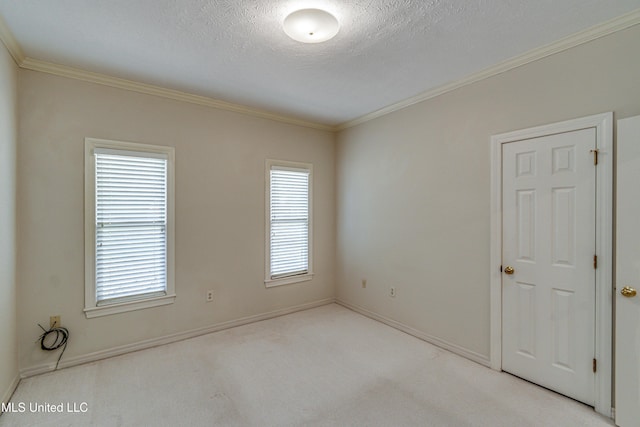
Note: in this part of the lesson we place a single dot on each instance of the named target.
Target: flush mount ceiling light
(311, 25)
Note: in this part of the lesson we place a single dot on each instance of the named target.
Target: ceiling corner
(10, 42)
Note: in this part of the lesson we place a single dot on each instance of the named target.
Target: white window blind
(131, 225)
(289, 218)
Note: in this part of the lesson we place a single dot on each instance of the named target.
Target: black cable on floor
(61, 338)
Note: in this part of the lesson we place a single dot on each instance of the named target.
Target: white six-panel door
(548, 299)
(628, 274)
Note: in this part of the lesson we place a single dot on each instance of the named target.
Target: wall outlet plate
(364, 283)
(209, 295)
(392, 292)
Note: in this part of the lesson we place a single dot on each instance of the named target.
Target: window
(128, 226)
(289, 223)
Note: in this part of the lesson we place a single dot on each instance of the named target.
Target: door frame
(603, 124)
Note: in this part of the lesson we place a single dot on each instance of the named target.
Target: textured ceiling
(236, 51)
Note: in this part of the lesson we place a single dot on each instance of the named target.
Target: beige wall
(413, 186)
(8, 144)
(220, 161)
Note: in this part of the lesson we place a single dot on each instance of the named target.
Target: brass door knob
(628, 292)
(509, 270)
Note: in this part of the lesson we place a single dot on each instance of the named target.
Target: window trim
(91, 308)
(287, 280)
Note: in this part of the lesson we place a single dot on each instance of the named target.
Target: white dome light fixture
(311, 25)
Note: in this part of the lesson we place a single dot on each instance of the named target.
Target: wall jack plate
(54, 322)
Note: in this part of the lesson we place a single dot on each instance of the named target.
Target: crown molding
(6, 36)
(617, 24)
(103, 79)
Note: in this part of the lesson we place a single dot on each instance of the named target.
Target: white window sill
(128, 306)
(270, 283)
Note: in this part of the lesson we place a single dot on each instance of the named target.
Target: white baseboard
(6, 396)
(454, 348)
(154, 342)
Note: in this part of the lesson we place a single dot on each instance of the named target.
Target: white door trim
(603, 123)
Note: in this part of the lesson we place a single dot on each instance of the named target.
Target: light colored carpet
(327, 366)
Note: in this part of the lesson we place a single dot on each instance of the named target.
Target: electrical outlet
(209, 295)
(364, 283)
(54, 322)
(392, 292)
